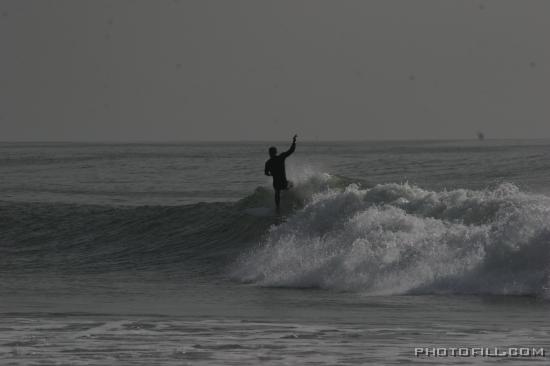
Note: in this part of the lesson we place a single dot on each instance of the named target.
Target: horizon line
(264, 140)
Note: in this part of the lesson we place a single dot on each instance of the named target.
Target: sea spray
(399, 238)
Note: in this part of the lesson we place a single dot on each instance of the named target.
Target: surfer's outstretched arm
(292, 147)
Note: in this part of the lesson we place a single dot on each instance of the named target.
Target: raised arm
(292, 148)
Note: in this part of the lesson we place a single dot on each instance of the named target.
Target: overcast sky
(263, 70)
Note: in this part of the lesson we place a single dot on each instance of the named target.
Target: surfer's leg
(277, 198)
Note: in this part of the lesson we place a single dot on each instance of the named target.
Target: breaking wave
(399, 238)
(335, 233)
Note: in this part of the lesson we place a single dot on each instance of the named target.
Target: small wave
(399, 238)
(42, 236)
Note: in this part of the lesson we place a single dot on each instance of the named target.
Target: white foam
(399, 238)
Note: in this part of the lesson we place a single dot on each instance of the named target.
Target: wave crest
(398, 238)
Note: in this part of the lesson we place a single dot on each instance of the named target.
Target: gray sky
(246, 70)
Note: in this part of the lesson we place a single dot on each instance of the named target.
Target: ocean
(392, 252)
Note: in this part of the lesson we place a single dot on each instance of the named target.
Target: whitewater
(173, 254)
(398, 238)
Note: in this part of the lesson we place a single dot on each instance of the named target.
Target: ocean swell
(204, 237)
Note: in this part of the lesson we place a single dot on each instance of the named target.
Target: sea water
(172, 254)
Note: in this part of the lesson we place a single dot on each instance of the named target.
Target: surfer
(275, 167)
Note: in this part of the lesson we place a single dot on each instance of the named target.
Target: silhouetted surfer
(275, 167)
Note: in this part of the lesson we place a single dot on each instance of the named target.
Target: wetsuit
(276, 168)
